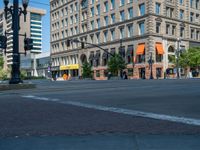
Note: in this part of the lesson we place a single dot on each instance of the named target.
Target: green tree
(1, 62)
(116, 64)
(194, 57)
(87, 70)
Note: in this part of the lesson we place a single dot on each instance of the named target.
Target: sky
(43, 4)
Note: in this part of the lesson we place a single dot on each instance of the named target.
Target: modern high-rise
(32, 27)
(146, 27)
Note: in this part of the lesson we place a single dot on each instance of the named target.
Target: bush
(3, 74)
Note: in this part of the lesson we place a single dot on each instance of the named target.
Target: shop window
(141, 58)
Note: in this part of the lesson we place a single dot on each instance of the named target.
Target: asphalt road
(92, 110)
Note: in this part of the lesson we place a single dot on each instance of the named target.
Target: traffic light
(28, 44)
(3, 42)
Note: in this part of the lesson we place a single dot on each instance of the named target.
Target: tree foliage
(115, 64)
(190, 58)
(87, 70)
(1, 62)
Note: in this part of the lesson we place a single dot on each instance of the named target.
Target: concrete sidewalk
(104, 142)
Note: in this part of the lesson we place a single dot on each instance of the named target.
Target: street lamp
(151, 61)
(177, 60)
(16, 11)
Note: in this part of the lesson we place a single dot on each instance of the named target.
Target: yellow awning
(140, 49)
(159, 48)
(69, 67)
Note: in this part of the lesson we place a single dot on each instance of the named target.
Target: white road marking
(176, 119)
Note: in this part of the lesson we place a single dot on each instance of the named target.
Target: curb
(4, 87)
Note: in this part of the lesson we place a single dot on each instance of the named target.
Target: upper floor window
(130, 13)
(122, 16)
(181, 14)
(142, 9)
(130, 30)
(158, 24)
(112, 18)
(122, 33)
(98, 9)
(106, 6)
(170, 12)
(181, 2)
(157, 8)
(141, 28)
(106, 20)
(122, 2)
(112, 4)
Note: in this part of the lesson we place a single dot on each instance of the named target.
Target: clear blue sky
(44, 4)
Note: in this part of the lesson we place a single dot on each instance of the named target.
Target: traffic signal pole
(15, 74)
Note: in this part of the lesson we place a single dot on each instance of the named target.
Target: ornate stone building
(146, 27)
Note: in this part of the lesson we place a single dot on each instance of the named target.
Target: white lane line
(176, 119)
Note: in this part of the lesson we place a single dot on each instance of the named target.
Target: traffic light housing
(3, 42)
(28, 44)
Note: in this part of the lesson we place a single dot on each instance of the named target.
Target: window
(130, 30)
(170, 12)
(97, 38)
(98, 9)
(122, 33)
(92, 38)
(130, 13)
(191, 17)
(141, 28)
(112, 34)
(157, 8)
(98, 23)
(181, 2)
(191, 3)
(112, 18)
(167, 29)
(122, 2)
(105, 36)
(71, 20)
(173, 30)
(106, 6)
(92, 12)
(192, 33)
(182, 30)
(122, 16)
(181, 14)
(197, 35)
(112, 4)
(105, 20)
(142, 9)
(92, 25)
(158, 27)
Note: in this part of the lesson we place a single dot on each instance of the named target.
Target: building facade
(145, 27)
(32, 27)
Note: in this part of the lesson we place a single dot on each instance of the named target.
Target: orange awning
(159, 48)
(140, 49)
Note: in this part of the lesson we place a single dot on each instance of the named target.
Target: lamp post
(151, 61)
(16, 12)
(177, 60)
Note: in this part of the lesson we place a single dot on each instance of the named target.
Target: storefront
(71, 70)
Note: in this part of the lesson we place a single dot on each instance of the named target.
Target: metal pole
(15, 74)
(151, 64)
(178, 50)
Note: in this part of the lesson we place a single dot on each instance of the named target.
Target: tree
(190, 59)
(116, 64)
(87, 70)
(1, 62)
(194, 57)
